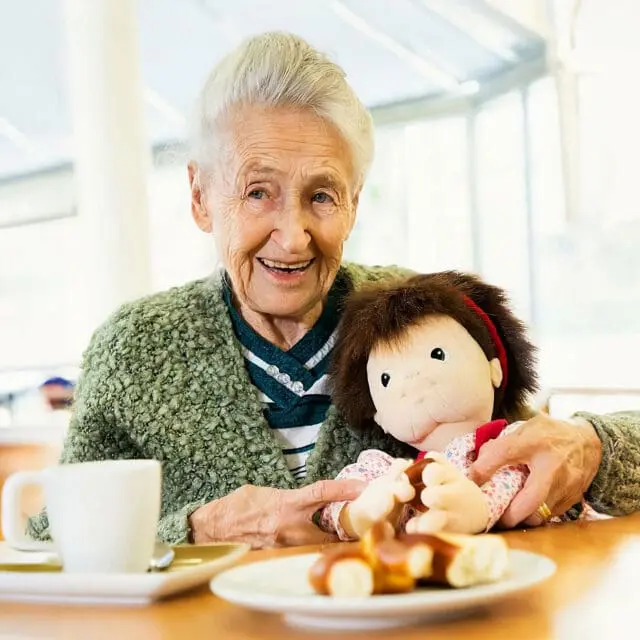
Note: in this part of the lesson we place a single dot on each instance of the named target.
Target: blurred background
(507, 144)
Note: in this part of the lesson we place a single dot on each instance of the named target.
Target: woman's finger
(322, 492)
(561, 506)
(495, 454)
(557, 507)
(535, 491)
(534, 520)
(308, 533)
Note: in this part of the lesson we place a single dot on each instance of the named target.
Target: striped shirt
(293, 384)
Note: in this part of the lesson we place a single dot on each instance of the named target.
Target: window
(415, 207)
(41, 292)
(379, 236)
(437, 184)
(179, 250)
(501, 204)
(588, 268)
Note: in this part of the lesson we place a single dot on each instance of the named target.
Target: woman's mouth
(276, 266)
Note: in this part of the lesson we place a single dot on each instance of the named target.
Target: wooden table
(582, 550)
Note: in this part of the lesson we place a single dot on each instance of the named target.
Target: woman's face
(280, 203)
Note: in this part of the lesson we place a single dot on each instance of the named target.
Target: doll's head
(430, 357)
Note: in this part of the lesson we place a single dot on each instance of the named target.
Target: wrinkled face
(280, 205)
(436, 375)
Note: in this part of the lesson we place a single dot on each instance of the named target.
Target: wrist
(197, 526)
(204, 523)
(592, 456)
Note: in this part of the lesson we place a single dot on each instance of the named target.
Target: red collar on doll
(501, 352)
(484, 433)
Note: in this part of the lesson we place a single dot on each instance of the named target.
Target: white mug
(102, 515)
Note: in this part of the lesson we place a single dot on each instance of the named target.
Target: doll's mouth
(421, 434)
(416, 443)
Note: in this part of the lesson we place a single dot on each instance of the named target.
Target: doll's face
(433, 384)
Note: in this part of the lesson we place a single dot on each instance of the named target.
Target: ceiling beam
(487, 33)
(521, 75)
(460, 103)
(162, 106)
(19, 139)
(427, 69)
(528, 15)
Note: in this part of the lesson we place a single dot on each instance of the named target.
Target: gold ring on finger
(544, 512)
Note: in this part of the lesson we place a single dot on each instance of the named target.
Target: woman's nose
(292, 232)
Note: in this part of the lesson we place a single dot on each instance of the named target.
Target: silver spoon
(163, 556)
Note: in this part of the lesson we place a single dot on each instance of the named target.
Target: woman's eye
(322, 198)
(385, 378)
(257, 194)
(438, 354)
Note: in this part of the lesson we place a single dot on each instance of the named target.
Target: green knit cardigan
(165, 378)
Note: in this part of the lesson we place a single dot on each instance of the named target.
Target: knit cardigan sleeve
(616, 488)
(96, 430)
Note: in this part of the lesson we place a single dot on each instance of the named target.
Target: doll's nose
(418, 388)
(419, 380)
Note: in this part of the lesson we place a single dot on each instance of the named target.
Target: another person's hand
(563, 458)
(266, 517)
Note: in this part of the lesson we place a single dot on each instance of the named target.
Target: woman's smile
(284, 271)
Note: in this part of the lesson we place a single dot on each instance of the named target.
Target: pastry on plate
(385, 562)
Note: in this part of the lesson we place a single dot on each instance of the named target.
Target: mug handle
(12, 524)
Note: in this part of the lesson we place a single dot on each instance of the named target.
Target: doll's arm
(387, 484)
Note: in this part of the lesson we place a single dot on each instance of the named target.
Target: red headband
(501, 351)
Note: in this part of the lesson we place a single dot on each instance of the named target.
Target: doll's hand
(454, 502)
(383, 499)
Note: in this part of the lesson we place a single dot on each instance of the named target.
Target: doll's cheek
(387, 414)
(391, 417)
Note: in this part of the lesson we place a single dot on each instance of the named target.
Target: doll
(441, 363)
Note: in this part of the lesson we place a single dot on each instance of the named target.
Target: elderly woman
(224, 379)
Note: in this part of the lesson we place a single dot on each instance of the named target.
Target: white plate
(281, 586)
(31, 582)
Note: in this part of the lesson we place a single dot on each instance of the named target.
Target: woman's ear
(198, 209)
(496, 373)
(356, 199)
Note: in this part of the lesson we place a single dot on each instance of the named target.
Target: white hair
(281, 69)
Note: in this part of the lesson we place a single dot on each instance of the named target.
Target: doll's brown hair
(380, 313)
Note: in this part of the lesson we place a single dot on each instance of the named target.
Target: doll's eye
(385, 378)
(438, 354)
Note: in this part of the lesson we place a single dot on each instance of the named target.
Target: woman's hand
(563, 458)
(266, 517)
